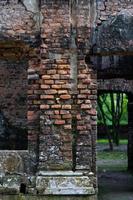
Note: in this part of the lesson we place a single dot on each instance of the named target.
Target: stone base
(22, 197)
(64, 183)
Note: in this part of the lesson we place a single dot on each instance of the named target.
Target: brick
(68, 127)
(62, 72)
(59, 122)
(81, 128)
(67, 138)
(56, 86)
(65, 77)
(50, 91)
(60, 82)
(65, 97)
(44, 107)
(36, 102)
(62, 92)
(66, 86)
(50, 82)
(82, 76)
(86, 106)
(30, 92)
(57, 112)
(56, 106)
(85, 91)
(49, 112)
(78, 117)
(47, 97)
(55, 76)
(56, 117)
(46, 77)
(87, 81)
(80, 101)
(88, 101)
(53, 71)
(68, 116)
(50, 102)
(32, 117)
(67, 107)
(92, 111)
(63, 66)
(29, 113)
(45, 87)
(82, 96)
(81, 86)
(63, 112)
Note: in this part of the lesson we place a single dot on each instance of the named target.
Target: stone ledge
(28, 197)
(64, 183)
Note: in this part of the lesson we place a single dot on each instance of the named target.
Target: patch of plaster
(31, 5)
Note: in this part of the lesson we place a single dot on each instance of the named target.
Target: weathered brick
(63, 112)
(68, 127)
(87, 81)
(66, 86)
(81, 128)
(47, 96)
(65, 97)
(56, 106)
(67, 116)
(62, 91)
(46, 77)
(56, 86)
(52, 71)
(86, 106)
(59, 122)
(49, 82)
(62, 72)
(78, 117)
(56, 117)
(82, 76)
(63, 66)
(85, 91)
(55, 76)
(67, 107)
(82, 96)
(57, 112)
(44, 107)
(81, 86)
(51, 91)
(45, 87)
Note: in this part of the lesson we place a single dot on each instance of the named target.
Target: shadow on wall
(11, 137)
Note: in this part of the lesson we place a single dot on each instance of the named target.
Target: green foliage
(107, 106)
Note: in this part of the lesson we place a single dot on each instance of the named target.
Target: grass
(112, 161)
(115, 155)
(105, 141)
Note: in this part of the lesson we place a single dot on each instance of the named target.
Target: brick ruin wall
(106, 8)
(62, 88)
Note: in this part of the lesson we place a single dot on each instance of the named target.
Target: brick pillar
(130, 132)
(67, 101)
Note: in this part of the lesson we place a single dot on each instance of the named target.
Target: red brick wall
(55, 88)
(68, 88)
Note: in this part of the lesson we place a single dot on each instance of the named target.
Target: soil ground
(115, 183)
